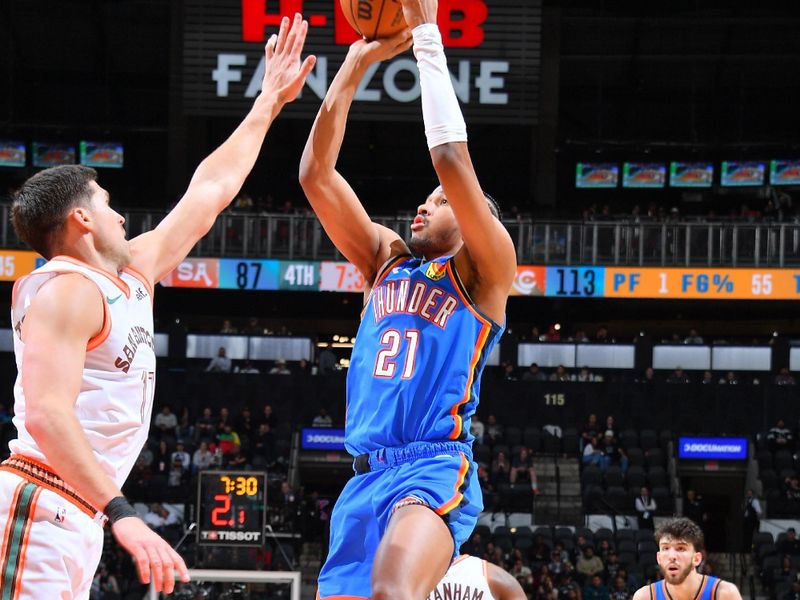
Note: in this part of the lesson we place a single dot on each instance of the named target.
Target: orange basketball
(374, 19)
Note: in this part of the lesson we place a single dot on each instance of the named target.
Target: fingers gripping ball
(374, 19)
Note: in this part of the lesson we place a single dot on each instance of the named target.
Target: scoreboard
(231, 508)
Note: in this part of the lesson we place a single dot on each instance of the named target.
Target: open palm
(284, 73)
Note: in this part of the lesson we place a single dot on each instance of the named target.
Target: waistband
(40, 475)
(386, 458)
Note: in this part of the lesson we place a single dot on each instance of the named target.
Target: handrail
(689, 242)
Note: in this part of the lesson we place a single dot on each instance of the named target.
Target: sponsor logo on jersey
(140, 294)
(112, 300)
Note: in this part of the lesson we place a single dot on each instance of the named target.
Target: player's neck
(689, 589)
(89, 256)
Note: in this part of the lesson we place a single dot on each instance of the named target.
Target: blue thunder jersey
(708, 590)
(420, 349)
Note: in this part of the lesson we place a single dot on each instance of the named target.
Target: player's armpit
(728, 591)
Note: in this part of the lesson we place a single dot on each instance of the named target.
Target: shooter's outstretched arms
(220, 176)
(364, 243)
(487, 243)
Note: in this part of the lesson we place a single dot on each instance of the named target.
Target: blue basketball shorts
(439, 475)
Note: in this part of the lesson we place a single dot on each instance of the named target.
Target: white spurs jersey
(466, 579)
(116, 396)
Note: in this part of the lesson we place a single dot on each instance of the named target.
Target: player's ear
(697, 559)
(80, 216)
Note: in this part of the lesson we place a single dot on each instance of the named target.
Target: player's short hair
(683, 529)
(493, 206)
(42, 203)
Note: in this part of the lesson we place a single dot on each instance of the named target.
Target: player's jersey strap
(467, 578)
(708, 589)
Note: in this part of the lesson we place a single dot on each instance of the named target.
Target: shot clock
(232, 508)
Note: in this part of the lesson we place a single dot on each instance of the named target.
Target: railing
(551, 242)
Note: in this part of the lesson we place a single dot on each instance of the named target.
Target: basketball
(374, 19)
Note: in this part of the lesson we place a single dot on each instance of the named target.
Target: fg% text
(702, 283)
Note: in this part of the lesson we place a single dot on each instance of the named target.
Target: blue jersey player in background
(680, 552)
(434, 308)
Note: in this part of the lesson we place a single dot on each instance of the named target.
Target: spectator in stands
(580, 337)
(178, 471)
(159, 518)
(181, 454)
(694, 509)
(522, 573)
(558, 563)
(792, 484)
(185, 430)
(323, 419)
(162, 460)
(224, 419)
(534, 373)
(568, 589)
(730, 379)
(588, 564)
(595, 589)
(590, 429)
(327, 361)
(220, 363)
(678, 376)
(585, 376)
(245, 426)
(280, 368)
(500, 469)
(302, 368)
(790, 544)
(227, 440)
(235, 459)
(474, 546)
(613, 452)
(104, 585)
(601, 336)
(246, 368)
(784, 377)
(708, 378)
(780, 437)
(535, 335)
(645, 507)
(227, 327)
(649, 376)
(560, 374)
(494, 430)
(751, 514)
(603, 550)
(546, 589)
(477, 429)
(202, 457)
(253, 327)
(166, 422)
(522, 469)
(264, 446)
(612, 565)
(268, 417)
(593, 454)
(145, 458)
(793, 593)
(619, 590)
(206, 426)
(694, 338)
(540, 551)
(509, 371)
(611, 425)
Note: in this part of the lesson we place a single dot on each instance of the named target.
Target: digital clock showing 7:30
(232, 508)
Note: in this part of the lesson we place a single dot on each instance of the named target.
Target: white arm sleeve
(440, 110)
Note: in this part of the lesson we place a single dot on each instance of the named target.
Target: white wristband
(440, 110)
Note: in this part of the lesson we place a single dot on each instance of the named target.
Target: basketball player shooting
(428, 326)
(84, 346)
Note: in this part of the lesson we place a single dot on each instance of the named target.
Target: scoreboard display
(231, 508)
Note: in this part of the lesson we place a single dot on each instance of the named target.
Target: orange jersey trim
(384, 273)
(715, 589)
(105, 331)
(456, 499)
(24, 546)
(12, 508)
(111, 276)
(340, 597)
(460, 291)
(458, 422)
(141, 277)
